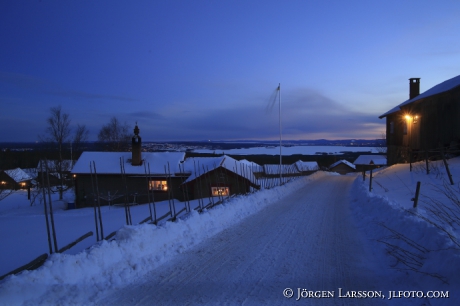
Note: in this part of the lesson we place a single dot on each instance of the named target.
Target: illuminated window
(158, 185)
(220, 191)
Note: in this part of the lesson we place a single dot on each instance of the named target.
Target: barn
(369, 162)
(217, 176)
(342, 167)
(113, 176)
(425, 123)
(127, 177)
(14, 179)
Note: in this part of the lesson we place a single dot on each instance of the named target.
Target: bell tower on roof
(136, 148)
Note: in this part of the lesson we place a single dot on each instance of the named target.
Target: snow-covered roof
(379, 160)
(18, 175)
(440, 88)
(32, 172)
(198, 166)
(275, 169)
(254, 166)
(109, 162)
(342, 161)
(306, 166)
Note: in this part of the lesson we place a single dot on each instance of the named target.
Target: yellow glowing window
(220, 191)
(158, 185)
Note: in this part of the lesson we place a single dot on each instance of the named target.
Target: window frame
(214, 191)
(160, 182)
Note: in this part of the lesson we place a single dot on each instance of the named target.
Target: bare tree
(81, 136)
(115, 135)
(58, 132)
(58, 129)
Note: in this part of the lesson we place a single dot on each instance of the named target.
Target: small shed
(15, 179)
(342, 167)
(306, 168)
(217, 176)
(368, 162)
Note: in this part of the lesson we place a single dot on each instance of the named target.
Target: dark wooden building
(117, 177)
(369, 162)
(342, 167)
(14, 179)
(52, 171)
(426, 122)
(217, 176)
(128, 176)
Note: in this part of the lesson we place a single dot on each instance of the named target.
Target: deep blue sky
(193, 70)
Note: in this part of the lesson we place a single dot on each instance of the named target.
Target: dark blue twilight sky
(193, 70)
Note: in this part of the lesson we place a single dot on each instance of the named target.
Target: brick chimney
(136, 148)
(414, 87)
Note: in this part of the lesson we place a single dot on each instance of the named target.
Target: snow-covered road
(307, 240)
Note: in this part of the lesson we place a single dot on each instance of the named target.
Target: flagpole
(281, 169)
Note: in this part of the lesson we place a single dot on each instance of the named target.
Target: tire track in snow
(306, 240)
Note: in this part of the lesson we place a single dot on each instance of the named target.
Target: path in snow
(307, 240)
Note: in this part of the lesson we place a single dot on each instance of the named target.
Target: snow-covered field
(425, 245)
(305, 150)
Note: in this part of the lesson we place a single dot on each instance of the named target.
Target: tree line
(113, 136)
(62, 142)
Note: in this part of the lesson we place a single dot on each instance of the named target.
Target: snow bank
(394, 227)
(86, 276)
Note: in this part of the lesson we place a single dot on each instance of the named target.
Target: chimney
(414, 87)
(136, 148)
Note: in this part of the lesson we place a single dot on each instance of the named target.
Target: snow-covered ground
(428, 254)
(422, 243)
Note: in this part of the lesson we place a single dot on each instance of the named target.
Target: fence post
(370, 181)
(447, 166)
(417, 192)
(426, 161)
(45, 207)
(410, 160)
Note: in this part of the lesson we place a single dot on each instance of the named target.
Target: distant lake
(291, 150)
